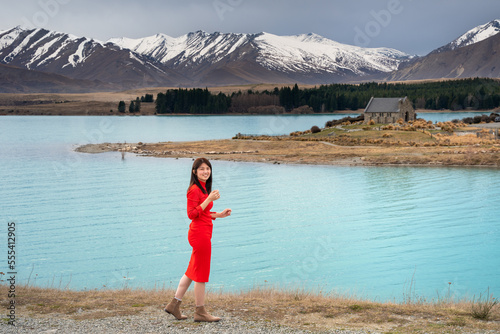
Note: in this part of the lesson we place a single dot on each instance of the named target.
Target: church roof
(384, 104)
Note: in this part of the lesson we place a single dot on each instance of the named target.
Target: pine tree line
(464, 94)
(135, 105)
(475, 94)
(192, 101)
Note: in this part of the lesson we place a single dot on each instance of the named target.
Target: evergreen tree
(296, 96)
(121, 106)
(137, 106)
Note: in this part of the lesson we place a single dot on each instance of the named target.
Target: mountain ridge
(474, 60)
(196, 58)
(211, 59)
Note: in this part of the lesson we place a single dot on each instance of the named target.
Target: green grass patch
(457, 321)
(324, 133)
(356, 307)
(361, 126)
(138, 305)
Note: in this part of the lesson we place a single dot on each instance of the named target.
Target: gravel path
(155, 321)
(150, 321)
(495, 125)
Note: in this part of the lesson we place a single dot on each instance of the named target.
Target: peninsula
(415, 144)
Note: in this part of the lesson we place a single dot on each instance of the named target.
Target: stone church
(389, 110)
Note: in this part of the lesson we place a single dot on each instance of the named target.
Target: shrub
(447, 126)
(372, 122)
(315, 129)
(481, 308)
(422, 124)
(329, 124)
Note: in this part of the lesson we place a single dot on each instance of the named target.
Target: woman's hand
(225, 213)
(214, 195)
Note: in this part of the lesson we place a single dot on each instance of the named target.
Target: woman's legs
(201, 313)
(199, 297)
(199, 293)
(184, 284)
(199, 290)
(174, 306)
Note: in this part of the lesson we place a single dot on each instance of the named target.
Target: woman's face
(203, 172)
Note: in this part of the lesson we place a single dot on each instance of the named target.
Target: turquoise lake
(96, 221)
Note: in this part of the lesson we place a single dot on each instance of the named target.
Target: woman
(199, 202)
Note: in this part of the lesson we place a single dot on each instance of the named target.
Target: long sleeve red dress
(199, 235)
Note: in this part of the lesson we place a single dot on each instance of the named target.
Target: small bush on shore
(481, 308)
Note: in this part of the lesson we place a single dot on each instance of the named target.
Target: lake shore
(317, 152)
(262, 310)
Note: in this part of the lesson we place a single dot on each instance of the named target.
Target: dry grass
(297, 309)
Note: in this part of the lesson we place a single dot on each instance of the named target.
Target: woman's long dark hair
(194, 178)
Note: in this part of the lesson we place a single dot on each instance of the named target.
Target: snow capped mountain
(81, 58)
(307, 53)
(473, 36)
(151, 46)
(193, 47)
(314, 53)
(197, 58)
(206, 59)
(474, 54)
(43, 45)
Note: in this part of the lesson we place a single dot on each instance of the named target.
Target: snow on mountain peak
(297, 53)
(311, 52)
(142, 45)
(40, 46)
(192, 47)
(310, 37)
(477, 34)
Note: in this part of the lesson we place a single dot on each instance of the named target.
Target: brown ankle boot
(174, 309)
(202, 315)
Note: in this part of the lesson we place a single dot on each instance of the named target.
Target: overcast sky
(412, 26)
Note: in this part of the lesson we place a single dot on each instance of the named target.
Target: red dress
(199, 235)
